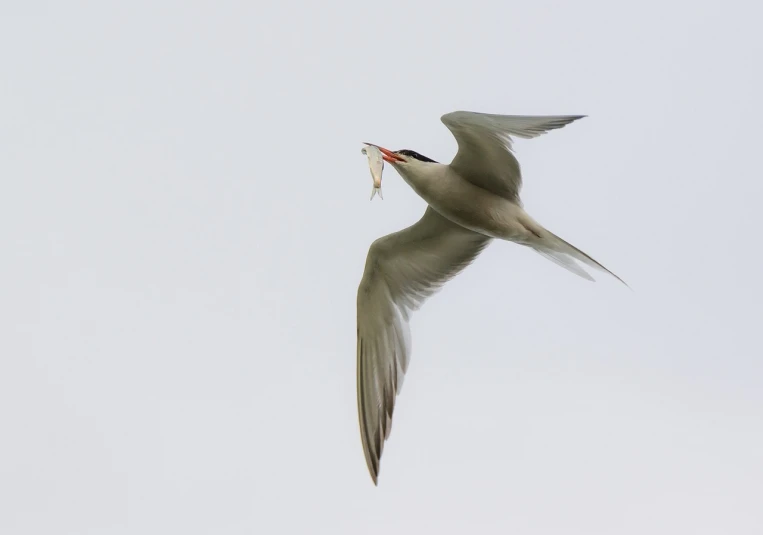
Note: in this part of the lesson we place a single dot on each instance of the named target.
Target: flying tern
(471, 201)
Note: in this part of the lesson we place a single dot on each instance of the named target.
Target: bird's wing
(484, 155)
(402, 270)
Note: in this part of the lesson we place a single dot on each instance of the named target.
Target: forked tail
(564, 254)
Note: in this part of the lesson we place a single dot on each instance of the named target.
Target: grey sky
(185, 220)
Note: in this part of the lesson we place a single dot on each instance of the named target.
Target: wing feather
(485, 155)
(402, 270)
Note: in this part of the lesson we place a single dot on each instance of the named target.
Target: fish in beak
(376, 165)
(388, 155)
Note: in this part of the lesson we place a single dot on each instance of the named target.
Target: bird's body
(467, 205)
(471, 201)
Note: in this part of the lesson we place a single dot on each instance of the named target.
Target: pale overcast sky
(185, 218)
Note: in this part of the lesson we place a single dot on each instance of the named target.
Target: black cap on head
(416, 155)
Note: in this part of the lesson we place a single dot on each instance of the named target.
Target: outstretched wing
(402, 270)
(484, 155)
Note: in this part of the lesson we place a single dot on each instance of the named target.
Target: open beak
(387, 154)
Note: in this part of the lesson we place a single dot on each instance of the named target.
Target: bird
(470, 202)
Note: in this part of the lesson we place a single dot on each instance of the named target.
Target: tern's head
(405, 159)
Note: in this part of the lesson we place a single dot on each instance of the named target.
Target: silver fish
(376, 164)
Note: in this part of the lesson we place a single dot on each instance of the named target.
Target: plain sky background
(184, 221)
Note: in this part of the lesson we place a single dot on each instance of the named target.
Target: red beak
(387, 154)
